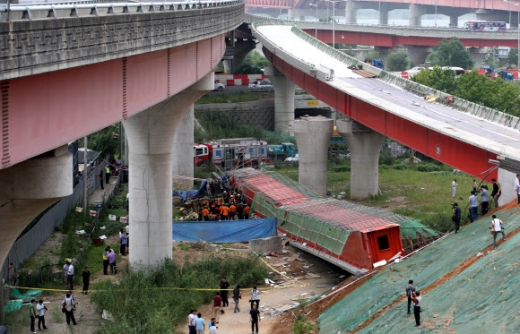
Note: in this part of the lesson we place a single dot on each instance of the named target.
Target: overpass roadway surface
(391, 36)
(463, 127)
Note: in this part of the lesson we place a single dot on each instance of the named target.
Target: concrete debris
(312, 275)
(343, 276)
(266, 246)
(479, 254)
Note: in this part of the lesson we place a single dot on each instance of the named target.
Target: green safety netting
(13, 305)
(28, 294)
(481, 299)
(409, 228)
(425, 268)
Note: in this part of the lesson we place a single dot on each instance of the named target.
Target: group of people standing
(37, 310)
(196, 323)
(109, 259)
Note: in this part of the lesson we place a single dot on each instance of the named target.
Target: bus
(486, 25)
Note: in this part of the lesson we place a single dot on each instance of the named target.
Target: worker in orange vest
(246, 212)
(232, 211)
(224, 212)
(205, 214)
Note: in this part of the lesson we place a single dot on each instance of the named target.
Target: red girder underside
(468, 158)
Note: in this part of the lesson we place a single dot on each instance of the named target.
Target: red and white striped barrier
(238, 79)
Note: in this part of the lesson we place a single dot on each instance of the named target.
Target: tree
(437, 78)
(451, 53)
(104, 141)
(253, 63)
(512, 57)
(397, 61)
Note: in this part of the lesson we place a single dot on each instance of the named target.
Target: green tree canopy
(496, 94)
(451, 53)
(438, 79)
(512, 57)
(253, 63)
(104, 141)
(397, 61)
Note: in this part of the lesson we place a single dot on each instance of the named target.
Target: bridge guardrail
(87, 8)
(457, 104)
(396, 30)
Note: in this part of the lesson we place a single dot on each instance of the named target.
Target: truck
(231, 153)
(282, 151)
(502, 73)
(375, 62)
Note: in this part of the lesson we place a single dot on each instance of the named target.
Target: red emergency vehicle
(232, 153)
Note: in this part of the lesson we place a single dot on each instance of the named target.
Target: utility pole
(85, 174)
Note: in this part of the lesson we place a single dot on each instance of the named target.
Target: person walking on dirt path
(70, 275)
(105, 260)
(409, 290)
(68, 305)
(237, 294)
(85, 278)
(254, 315)
(40, 308)
(484, 200)
(112, 261)
(124, 243)
(217, 306)
(497, 191)
(254, 297)
(473, 206)
(213, 326)
(101, 179)
(416, 297)
(453, 187)
(456, 220)
(32, 314)
(200, 324)
(191, 324)
(496, 227)
(224, 286)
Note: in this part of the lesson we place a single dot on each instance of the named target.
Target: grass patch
(145, 302)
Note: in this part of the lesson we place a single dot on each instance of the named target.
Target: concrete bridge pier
(283, 100)
(150, 139)
(238, 52)
(182, 154)
(364, 145)
(454, 20)
(351, 12)
(383, 14)
(313, 139)
(416, 13)
(28, 188)
(418, 54)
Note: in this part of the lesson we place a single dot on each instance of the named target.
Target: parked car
(261, 85)
(294, 158)
(219, 86)
(414, 71)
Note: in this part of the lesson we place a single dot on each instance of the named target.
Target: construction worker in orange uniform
(232, 211)
(224, 212)
(205, 214)
(246, 212)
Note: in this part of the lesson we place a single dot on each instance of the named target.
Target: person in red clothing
(217, 306)
(246, 212)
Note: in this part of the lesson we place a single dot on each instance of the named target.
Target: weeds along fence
(32, 240)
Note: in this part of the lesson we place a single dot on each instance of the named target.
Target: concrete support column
(351, 12)
(313, 139)
(478, 55)
(454, 20)
(364, 145)
(383, 14)
(239, 51)
(28, 188)
(182, 153)
(418, 54)
(283, 100)
(415, 15)
(150, 139)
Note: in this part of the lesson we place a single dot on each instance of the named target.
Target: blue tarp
(224, 231)
(191, 193)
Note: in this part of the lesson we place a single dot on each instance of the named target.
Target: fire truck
(232, 153)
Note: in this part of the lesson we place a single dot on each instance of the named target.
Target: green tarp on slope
(410, 228)
(425, 268)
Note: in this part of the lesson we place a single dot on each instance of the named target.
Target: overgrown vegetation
(154, 302)
(496, 94)
(301, 324)
(451, 52)
(397, 61)
(105, 141)
(253, 63)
